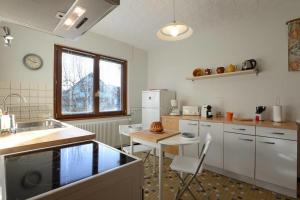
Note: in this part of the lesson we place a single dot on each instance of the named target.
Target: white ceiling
(137, 21)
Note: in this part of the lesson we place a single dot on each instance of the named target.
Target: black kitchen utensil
(260, 109)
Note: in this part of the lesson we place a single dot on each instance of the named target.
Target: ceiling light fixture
(7, 37)
(73, 17)
(174, 31)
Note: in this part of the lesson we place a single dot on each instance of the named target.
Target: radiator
(107, 131)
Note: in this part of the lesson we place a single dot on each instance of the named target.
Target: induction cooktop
(36, 172)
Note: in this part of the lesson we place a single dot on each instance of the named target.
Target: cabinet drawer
(277, 133)
(234, 128)
(189, 126)
(150, 99)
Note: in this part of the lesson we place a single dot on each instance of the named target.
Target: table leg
(154, 161)
(160, 176)
(180, 150)
(131, 146)
(181, 154)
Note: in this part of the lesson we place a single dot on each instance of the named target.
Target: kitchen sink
(38, 125)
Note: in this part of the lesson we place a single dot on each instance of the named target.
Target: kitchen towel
(5, 122)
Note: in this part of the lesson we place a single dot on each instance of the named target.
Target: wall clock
(33, 61)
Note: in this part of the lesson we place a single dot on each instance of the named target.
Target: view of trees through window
(90, 84)
(77, 84)
(110, 86)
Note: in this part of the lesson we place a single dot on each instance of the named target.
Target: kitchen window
(88, 85)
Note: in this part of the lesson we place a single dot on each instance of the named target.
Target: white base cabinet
(266, 156)
(214, 155)
(190, 126)
(239, 153)
(276, 161)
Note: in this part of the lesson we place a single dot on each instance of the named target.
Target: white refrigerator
(155, 103)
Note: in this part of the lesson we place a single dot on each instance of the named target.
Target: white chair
(125, 130)
(191, 167)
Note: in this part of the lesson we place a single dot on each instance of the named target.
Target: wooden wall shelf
(237, 73)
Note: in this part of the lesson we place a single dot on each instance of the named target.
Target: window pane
(77, 84)
(110, 86)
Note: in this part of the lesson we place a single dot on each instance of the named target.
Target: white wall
(261, 35)
(30, 41)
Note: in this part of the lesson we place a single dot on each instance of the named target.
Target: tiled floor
(217, 187)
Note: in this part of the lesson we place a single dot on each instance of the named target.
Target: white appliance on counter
(190, 110)
(155, 103)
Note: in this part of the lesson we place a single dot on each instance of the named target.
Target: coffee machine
(206, 111)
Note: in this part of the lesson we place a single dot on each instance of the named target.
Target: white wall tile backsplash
(38, 96)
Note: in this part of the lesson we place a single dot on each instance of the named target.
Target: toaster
(190, 110)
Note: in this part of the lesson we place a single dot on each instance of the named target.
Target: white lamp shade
(174, 31)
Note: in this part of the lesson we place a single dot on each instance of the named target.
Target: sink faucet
(11, 95)
(11, 118)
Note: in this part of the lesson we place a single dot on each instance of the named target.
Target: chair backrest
(204, 151)
(126, 129)
(205, 145)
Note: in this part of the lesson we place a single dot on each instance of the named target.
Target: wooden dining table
(151, 139)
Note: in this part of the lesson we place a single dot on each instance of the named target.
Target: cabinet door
(214, 155)
(239, 153)
(276, 161)
(149, 115)
(151, 99)
(171, 123)
(190, 126)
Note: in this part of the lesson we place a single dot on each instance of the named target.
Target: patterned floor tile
(217, 187)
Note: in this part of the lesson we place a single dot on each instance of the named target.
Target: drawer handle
(244, 139)
(239, 129)
(268, 142)
(191, 124)
(206, 125)
(277, 133)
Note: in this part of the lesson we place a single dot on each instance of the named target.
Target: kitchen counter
(42, 138)
(269, 124)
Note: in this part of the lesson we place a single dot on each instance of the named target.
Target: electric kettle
(249, 64)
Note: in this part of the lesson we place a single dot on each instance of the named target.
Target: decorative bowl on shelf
(197, 72)
(220, 70)
(208, 71)
(231, 68)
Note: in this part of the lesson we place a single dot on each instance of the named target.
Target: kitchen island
(11, 143)
(84, 170)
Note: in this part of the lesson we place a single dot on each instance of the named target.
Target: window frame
(58, 50)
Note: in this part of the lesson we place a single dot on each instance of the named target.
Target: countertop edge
(61, 137)
(290, 125)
